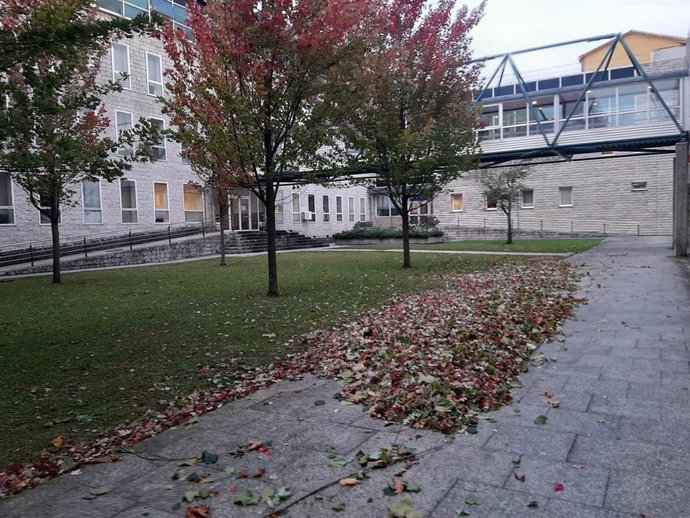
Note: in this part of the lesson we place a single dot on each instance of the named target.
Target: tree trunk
(405, 214)
(224, 223)
(270, 206)
(55, 232)
(510, 224)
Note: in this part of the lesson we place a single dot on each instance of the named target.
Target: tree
(249, 92)
(503, 186)
(412, 119)
(52, 121)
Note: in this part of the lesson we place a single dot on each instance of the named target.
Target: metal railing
(30, 252)
(557, 226)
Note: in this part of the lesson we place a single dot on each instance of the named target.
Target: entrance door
(245, 220)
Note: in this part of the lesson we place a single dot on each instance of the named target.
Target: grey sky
(510, 25)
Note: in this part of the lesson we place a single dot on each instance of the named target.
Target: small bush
(385, 233)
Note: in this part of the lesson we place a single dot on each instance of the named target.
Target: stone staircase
(255, 241)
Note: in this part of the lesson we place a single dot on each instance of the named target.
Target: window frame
(642, 186)
(452, 202)
(296, 214)
(149, 81)
(351, 209)
(184, 208)
(167, 203)
(362, 209)
(522, 199)
(488, 207)
(117, 131)
(9, 208)
(126, 83)
(326, 208)
(561, 189)
(339, 208)
(163, 140)
(84, 209)
(136, 203)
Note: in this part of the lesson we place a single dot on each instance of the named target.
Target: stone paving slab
(618, 443)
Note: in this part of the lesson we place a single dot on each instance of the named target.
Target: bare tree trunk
(510, 224)
(407, 262)
(224, 223)
(55, 232)
(270, 205)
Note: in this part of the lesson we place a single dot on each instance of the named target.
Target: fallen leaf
(403, 509)
(246, 498)
(553, 403)
(558, 487)
(260, 473)
(200, 511)
(547, 393)
(540, 419)
(473, 500)
(338, 507)
(533, 504)
(209, 458)
(98, 491)
(58, 442)
(348, 482)
(253, 445)
(577, 466)
(319, 402)
(189, 496)
(520, 478)
(338, 462)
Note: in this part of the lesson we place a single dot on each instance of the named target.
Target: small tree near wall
(503, 186)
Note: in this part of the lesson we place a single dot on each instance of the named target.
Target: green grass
(522, 245)
(102, 348)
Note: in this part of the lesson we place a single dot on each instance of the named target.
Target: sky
(510, 25)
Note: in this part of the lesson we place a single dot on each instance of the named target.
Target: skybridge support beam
(680, 200)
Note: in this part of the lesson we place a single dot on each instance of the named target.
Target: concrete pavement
(616, 446)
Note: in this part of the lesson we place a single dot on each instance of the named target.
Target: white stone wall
(171, 171)
(320, 228)
(602, 196)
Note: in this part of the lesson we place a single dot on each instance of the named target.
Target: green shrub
(385, 233)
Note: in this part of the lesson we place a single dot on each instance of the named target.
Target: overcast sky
(510, 25)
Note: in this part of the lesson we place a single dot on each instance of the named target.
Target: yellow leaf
(348, 482)
(58, 442)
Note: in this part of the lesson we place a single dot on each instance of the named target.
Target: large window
(193, 204)
(350, 209)
(158, 147)
(123, 122)
(338, 208)
(121, 65)
(154, 73)
(311, 205)
(173, 9)
(279, 206)
(127, 8)
(565, 196)
(295, 208)
(160, 203)
(128, 201)
(6, 200)
(384, 207)
(457, 204)
(91, 202)
(326, 209)
(362, 209)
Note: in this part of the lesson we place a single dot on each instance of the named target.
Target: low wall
(209, 245)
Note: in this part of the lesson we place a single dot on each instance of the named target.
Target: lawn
(80, 358)
(571, 246)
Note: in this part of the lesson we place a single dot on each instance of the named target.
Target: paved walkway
(618, 445)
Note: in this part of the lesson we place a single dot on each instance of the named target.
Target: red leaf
(558, 487)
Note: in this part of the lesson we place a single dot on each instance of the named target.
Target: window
(173, 9)
(295, 208)
(456, 203)
(338, 208)
(528, 199)
(121, 65)
(565, 196)
(639, 186)
(326, 209)
(491, 203)
(384, 207)
(193, 203)
(127, 8)
(91, 202)
(350, 209)
(362, 210)
(158, 146)
(6, 200)
(123, 122)
(311, 204)
(184, 155)
(160, 200)
(154, 72)
(128, 201)
(43, 218)
(279, 206)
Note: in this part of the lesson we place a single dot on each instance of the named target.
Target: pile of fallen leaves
(437, 358)
(432, 360)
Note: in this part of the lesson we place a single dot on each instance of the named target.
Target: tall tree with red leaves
(412, 118)
(249, 91)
